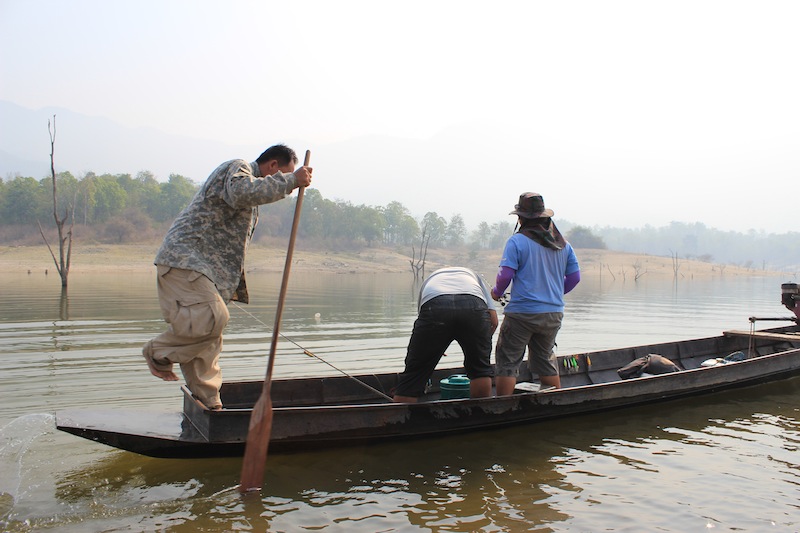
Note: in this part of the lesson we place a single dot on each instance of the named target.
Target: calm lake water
(729, 461)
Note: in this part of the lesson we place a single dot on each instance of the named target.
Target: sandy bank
(139, 257)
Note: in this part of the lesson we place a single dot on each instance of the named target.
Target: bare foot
(165, 374)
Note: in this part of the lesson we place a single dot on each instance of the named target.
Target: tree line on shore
(122, 208)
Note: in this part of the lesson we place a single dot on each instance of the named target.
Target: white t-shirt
(454, 280)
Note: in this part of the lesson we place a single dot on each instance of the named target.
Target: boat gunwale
(523, 394)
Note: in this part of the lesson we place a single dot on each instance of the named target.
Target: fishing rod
(315, 356)
(506, 296)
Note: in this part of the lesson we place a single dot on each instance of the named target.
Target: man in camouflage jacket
(201, 265)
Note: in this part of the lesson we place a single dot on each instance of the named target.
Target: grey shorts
(538, 333)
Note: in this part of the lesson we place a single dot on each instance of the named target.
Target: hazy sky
(620, 113)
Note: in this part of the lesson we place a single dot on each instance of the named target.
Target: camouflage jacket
(211, 235)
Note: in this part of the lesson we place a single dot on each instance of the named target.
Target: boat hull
(326, 412)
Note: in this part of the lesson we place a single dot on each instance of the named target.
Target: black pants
(451, 317)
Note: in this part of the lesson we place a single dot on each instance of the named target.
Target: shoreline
(268, 258)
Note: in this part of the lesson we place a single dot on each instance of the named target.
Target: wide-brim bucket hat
(531, 205)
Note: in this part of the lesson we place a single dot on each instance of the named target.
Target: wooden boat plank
(792, 337)
(165, 434)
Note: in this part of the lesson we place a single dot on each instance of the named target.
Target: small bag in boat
(649, 364)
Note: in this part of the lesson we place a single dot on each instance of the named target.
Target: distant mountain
(476, 170)
(96, 144)
(454, 172)
(13, 165)
(423, 175)
(372, 170)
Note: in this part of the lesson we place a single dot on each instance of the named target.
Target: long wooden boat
(329, 411)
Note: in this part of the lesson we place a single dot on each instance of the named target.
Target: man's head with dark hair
(278, 158)
(280, 153)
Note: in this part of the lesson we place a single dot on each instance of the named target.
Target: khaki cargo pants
(196, 315)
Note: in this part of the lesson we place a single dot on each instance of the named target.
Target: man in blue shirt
(543, 268)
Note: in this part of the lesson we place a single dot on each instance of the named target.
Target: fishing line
(315, 356)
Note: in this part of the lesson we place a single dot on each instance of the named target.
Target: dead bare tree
(418, 264)
(676, 265)
(608, 267)
(64, 237)
(638, 271)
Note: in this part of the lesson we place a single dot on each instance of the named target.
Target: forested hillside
(122, 208)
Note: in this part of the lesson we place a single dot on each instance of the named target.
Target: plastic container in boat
(455, 386)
